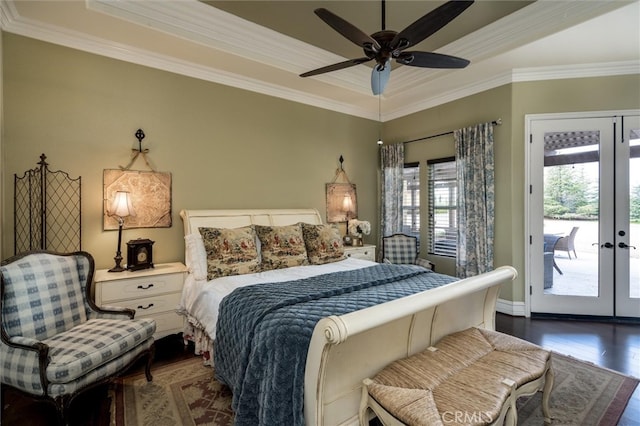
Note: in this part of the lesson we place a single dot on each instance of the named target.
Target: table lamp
(121, 208)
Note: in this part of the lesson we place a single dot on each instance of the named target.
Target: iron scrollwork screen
(47, 209)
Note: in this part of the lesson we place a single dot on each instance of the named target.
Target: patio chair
(567, 244)
(55, 341)
(402, 249)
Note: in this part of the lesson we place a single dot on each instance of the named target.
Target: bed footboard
(348, 348)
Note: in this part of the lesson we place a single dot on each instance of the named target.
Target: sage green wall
(511, 103)
(225, 147)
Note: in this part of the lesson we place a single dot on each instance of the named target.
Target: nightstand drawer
(140, 287)
(151, 305)
(366, 252)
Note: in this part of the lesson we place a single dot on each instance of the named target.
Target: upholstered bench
(472, 377)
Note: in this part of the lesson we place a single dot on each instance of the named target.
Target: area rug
(185, 393)
(181, 393)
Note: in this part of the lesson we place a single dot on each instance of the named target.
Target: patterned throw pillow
(281, 246)
(323, 242)
(230, 251)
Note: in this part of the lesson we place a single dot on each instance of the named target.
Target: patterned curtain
(475, 173)
(392, 165)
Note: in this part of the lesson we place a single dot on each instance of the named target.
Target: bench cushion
(464, 372)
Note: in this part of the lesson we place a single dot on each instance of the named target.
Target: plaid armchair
(55, 341)
(403, 249)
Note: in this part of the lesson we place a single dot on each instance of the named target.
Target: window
(411, 200)
(443, 209)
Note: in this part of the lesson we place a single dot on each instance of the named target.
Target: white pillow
(196, 256)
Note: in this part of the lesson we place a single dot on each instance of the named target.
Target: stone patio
(580, 275)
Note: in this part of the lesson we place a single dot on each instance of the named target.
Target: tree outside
(571, 192)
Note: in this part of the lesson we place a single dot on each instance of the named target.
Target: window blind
(443, 209)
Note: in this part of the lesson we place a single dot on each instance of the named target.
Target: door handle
(607, 245)
(625, 246)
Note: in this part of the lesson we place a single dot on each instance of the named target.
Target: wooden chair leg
(364, 406)
(62, 409)
(150, 356)
(511, 418)
(546, 393)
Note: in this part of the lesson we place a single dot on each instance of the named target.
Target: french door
(584, 214)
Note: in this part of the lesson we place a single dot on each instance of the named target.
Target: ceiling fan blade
(429, 24)
(379, 78)
(335, 67)
(347, 29)
(431, 60)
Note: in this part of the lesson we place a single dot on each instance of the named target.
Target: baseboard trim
(515, 309)
(593, 318)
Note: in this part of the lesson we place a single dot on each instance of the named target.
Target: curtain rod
(494, 122)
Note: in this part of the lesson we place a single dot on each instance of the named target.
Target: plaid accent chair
(402, 249)
(55, 341)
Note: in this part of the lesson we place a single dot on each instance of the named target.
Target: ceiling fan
(385, 45)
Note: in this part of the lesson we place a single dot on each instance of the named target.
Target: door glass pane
(634, 213)
(571, 213)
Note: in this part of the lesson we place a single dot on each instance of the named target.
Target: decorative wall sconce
(342, 203)
(120, 208)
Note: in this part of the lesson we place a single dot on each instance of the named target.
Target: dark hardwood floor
(610, 345)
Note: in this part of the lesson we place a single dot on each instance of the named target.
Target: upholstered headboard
(194, 219)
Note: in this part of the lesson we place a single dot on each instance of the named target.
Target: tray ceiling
(263, 46)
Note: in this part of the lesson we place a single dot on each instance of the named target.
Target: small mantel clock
(139, 254)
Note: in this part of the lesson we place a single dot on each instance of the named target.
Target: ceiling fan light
(379, 78)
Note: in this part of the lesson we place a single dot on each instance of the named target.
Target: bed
(347, 319)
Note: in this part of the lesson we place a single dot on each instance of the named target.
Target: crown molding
(514, 76)
(607, 69)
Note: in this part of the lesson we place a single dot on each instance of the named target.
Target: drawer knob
(366, 253)
(150, 305)
(145, 287)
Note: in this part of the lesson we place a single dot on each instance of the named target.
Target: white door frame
(529, 118)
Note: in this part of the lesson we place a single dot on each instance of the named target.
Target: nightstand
(153, 292)
(365, 251)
